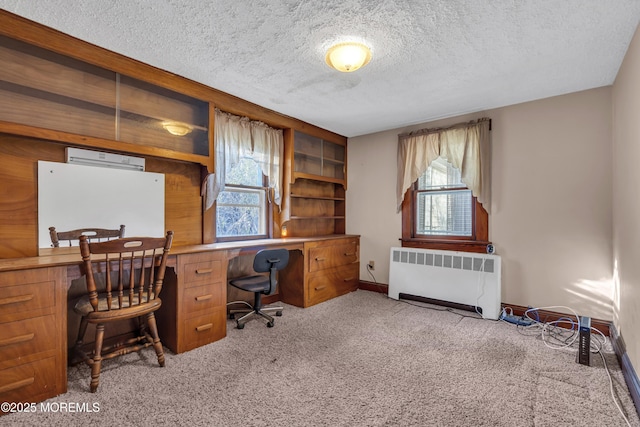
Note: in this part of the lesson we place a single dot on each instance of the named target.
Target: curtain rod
(427, 131)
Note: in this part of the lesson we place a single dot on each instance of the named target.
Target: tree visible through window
(242, 206)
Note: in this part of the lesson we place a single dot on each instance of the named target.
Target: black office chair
(270, 260)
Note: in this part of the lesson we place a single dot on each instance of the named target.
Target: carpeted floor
(358, 360)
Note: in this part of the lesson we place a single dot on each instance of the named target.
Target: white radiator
(460, 277)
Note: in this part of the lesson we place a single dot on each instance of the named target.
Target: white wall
(626, 203)
(551, 218)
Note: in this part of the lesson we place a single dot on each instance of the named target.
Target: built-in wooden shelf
(303, 196)
(317, 158)
(317, 217)
(57, 94)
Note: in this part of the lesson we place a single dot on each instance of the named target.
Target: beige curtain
(236, 137)
(268, 152)
(466, 146)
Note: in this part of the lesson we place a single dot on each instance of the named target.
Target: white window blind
(444, 203)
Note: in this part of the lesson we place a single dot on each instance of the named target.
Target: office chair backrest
(132, 268)
(93, 235)
(271, 260)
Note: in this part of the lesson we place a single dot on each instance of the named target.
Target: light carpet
(358, 360)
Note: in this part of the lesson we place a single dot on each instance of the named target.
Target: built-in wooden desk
(34, 292)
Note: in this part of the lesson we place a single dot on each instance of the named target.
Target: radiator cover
(458, 277)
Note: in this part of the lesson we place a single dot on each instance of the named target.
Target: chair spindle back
(92, 234)
(131, 270)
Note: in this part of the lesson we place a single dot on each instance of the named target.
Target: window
(242, 207)
(443, 202)
(440, 212)
(444, 185)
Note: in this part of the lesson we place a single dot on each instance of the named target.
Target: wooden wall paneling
(38, 111)
(45, 89)
(98, 143)
(27, 66)
(19, 192)
(209, 215)
(282, 217)
(31, 32)
(142, 98)
(88, 120)
(291, 280)
(183, 204)
(315, 227)
(19, 210)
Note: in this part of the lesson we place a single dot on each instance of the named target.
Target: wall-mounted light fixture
(177, 128)
(348, 56)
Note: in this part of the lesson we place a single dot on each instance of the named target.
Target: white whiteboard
(76, 196)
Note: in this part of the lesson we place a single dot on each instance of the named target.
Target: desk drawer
(204, 298)
(30, 382)
(204, 329)
(324, 257)
(25, 338)
(331, 283)
(201, 269)
(37, 297)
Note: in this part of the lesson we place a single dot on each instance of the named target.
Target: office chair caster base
(270, 322)
(278, 313)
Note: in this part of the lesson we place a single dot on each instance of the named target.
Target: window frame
(477, 242)
(268, 212)
(418, 192)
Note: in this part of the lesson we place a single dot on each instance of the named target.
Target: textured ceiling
(431, 59)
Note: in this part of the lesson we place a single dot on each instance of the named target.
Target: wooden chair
(93, 234)
(124, 279)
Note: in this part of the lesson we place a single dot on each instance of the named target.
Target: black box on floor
(584, 346)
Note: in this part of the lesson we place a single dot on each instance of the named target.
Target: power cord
(240, 302)
(371, 274)
(481, 282)
(380, 287)
(560, 338)
(613, 395)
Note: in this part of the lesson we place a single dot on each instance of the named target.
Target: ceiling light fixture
(177, 128)
(348, 56)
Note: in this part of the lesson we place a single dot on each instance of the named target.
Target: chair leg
(276, 310)
(270, 320)
(258, 311)
(233, 311)
(244, 319)
(78, 355)
(153, 330)
(81, 331)
(96, 362)
(142, 327)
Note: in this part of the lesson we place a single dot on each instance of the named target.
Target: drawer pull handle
(206, 327)
(204, 271)
(17, 385)
(319, 288)
(204, 297)
(348, 279)
(15, 300)
(349, 253)
(319, 259)
(17, 340)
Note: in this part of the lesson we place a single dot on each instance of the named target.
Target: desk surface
(50, 257)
